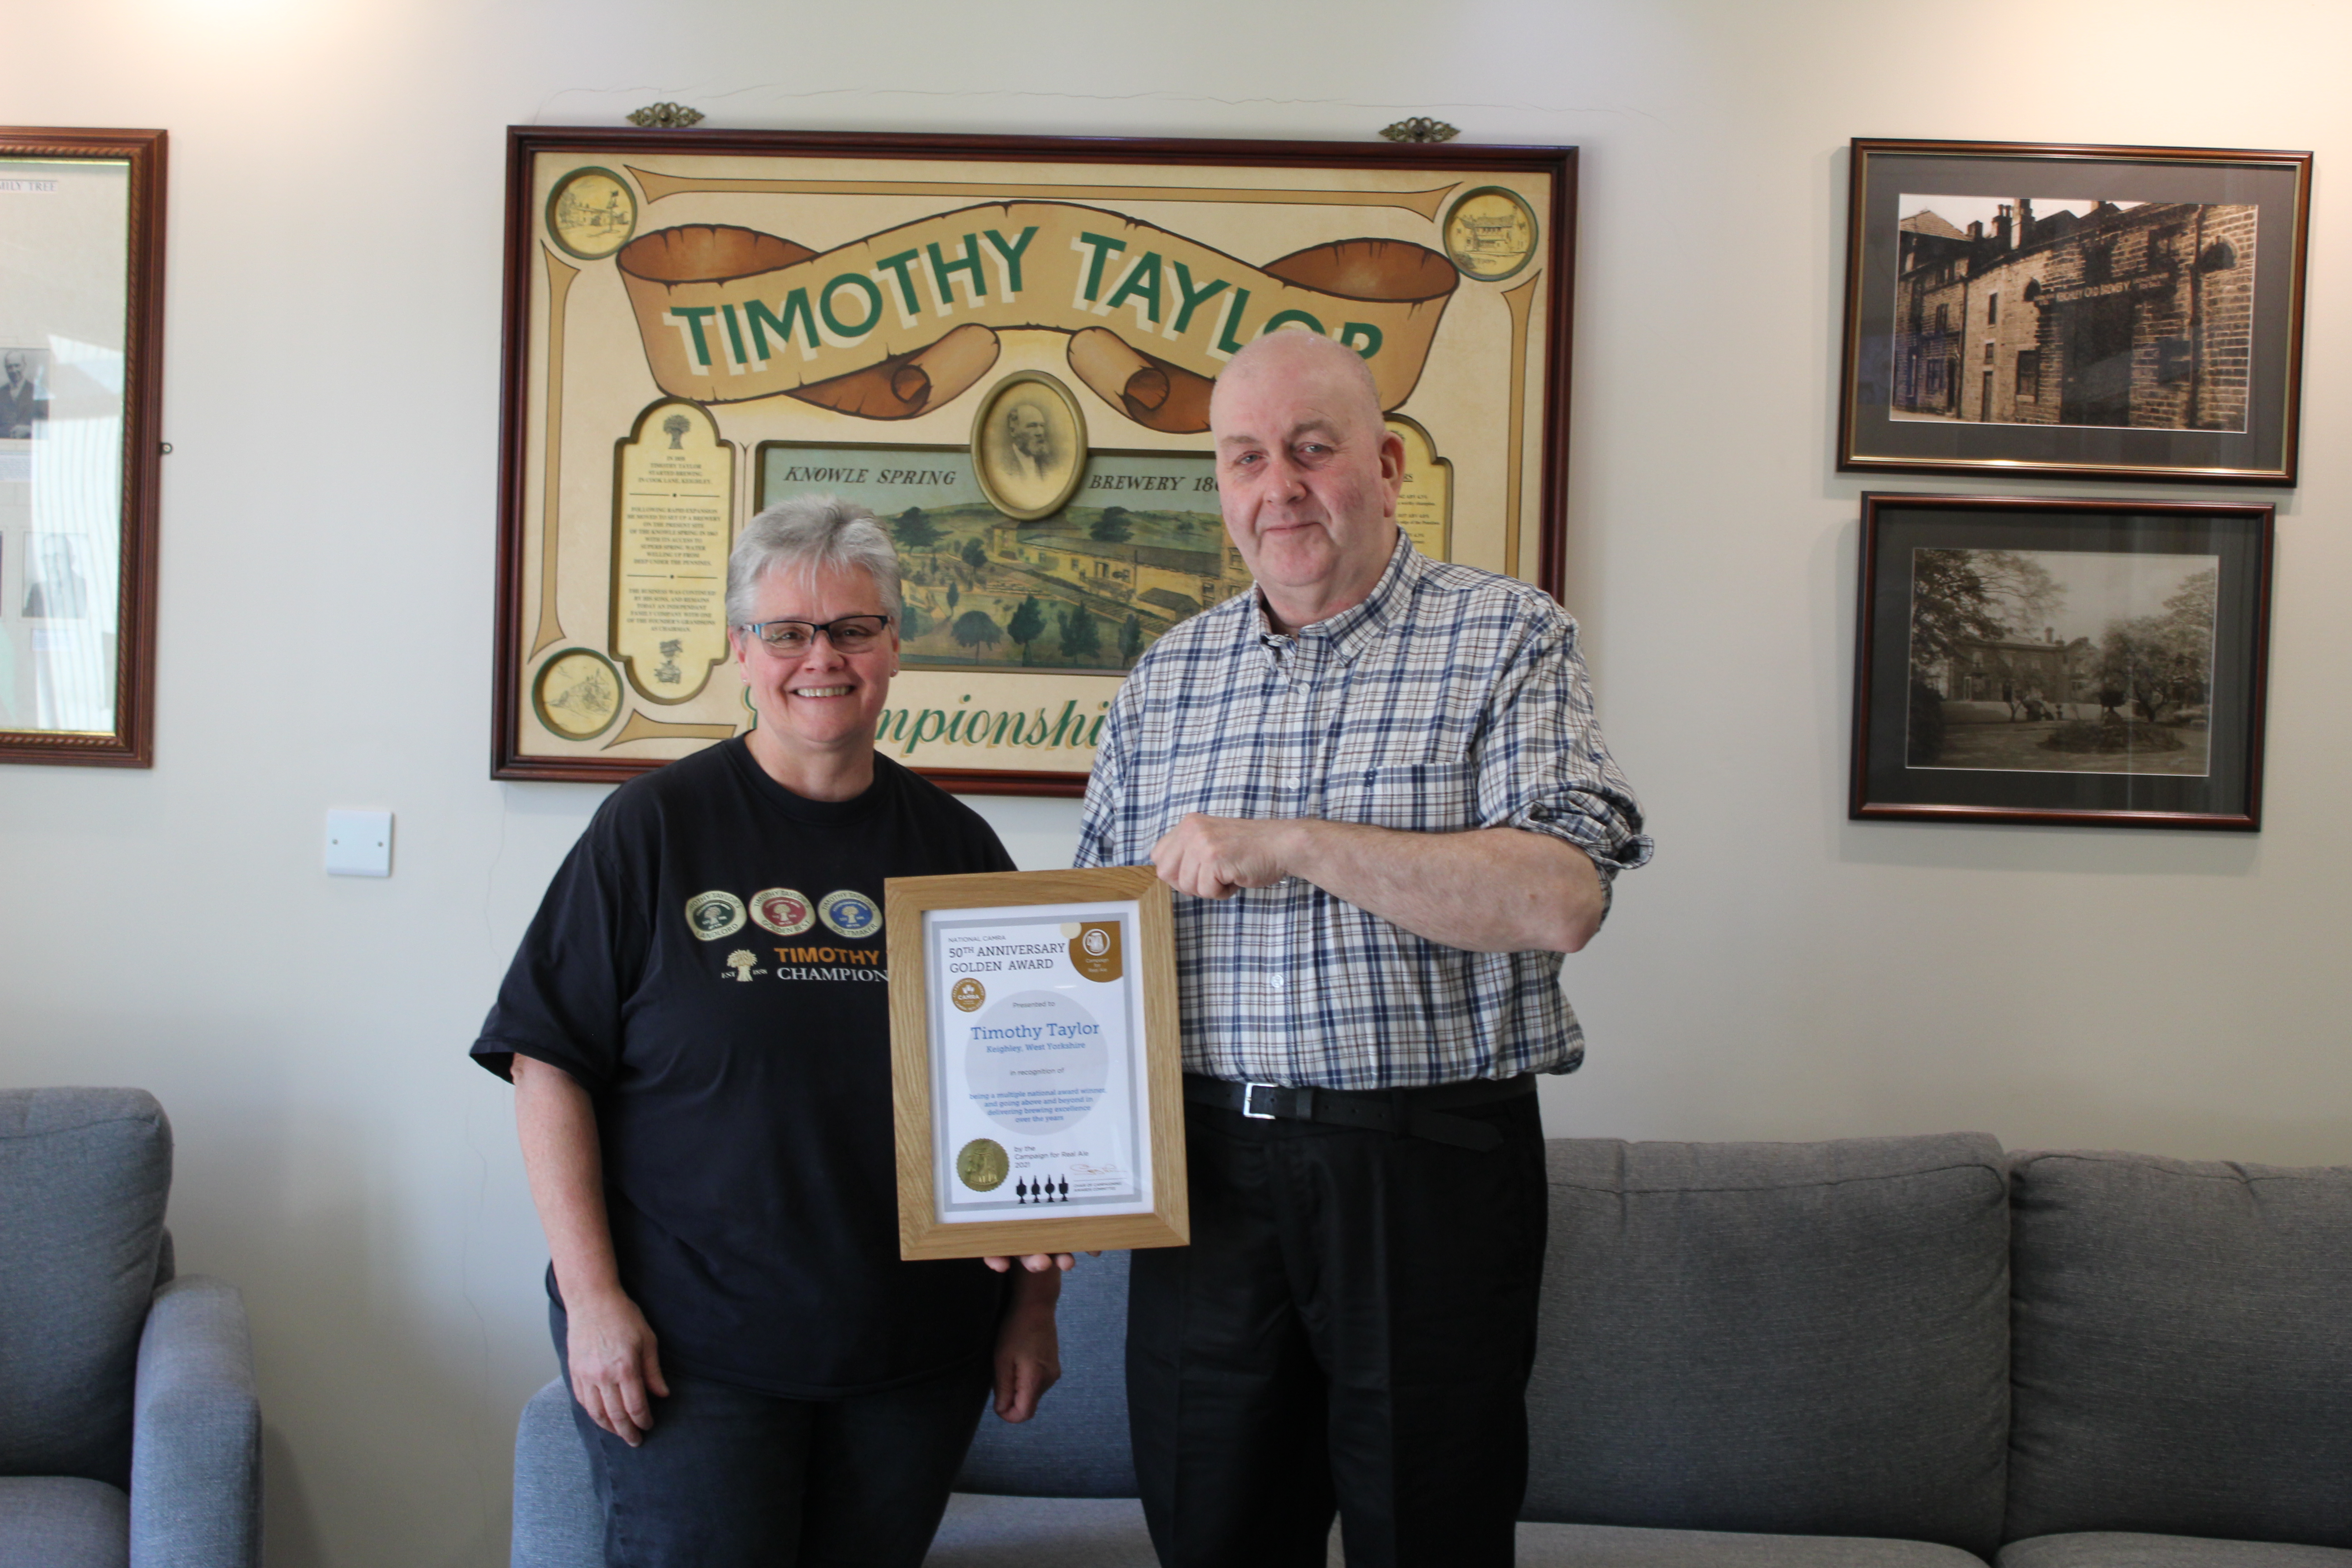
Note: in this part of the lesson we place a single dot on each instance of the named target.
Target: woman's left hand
(1028, 1349)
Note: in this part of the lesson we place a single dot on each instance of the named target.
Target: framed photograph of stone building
(2101, 311)
(2095, 663)
(1002, 345)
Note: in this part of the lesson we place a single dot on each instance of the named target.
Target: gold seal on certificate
(1034, 1062)
(983, 1165)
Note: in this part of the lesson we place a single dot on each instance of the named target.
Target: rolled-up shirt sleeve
(1542, 765)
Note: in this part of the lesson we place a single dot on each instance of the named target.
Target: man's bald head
(1307, 473)
(1345, 379)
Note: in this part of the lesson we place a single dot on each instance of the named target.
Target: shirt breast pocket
(1411, 797)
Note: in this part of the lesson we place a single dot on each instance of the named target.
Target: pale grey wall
(326, 620)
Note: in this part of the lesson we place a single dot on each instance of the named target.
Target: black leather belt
(1416, 1112)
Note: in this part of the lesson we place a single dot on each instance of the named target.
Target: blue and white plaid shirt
(1450, 698)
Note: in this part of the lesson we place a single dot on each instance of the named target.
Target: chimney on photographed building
(2001, 229)
(2024, 220)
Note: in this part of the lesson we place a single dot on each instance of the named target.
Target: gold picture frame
(1035, 1063)
(82, 448)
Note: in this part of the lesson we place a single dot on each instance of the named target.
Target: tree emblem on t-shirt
(852, 914)
(740, 962)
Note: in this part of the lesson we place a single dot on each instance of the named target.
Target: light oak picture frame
(1154, 1074)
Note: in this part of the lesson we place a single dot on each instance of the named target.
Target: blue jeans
(728, 1476)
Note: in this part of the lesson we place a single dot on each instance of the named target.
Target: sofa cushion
(63, 1521)
(1610, 1546)
(2183, 1358)
(1802, 1339)
(1041, 1532)
(2095, 1549)
(1076, 1444)
(84, 1175)
(558, 1522)
(1109, 1533)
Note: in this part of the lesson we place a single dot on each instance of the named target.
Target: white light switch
(359, 844)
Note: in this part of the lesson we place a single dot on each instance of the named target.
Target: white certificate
(1038, 1088)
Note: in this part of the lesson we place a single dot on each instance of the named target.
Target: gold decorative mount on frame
(665, 116)
(1420, 128)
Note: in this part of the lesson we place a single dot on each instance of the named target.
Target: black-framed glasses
(847, 633)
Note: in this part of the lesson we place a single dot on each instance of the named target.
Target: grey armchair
(129, 1428)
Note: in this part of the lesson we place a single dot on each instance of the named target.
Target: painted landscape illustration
(1138, 548)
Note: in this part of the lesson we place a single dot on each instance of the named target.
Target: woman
(697, 1029)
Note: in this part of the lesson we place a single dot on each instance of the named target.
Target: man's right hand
(615, 1368)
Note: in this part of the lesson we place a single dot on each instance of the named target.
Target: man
(1031, 440)
(21, 404)
(1377, 787)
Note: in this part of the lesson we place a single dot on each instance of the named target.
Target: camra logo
(967, 994)
(782, 911)
(851, 915)
(714, 914)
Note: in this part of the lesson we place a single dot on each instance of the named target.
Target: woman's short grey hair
(810, 535)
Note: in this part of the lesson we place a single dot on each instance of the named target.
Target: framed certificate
(1034, 1063)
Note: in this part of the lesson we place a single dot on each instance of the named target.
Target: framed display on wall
(2103, 312)
(2098, 663)
(81, 344)
(1003, 346)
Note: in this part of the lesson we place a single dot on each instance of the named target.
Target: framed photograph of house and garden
(81, 344)
(2103, 312)
(2097, 663)
(1003, 346)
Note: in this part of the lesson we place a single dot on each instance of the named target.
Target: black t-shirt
(708, 962)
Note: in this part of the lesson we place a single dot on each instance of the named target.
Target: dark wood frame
(2059, 155)
(131, 744)
(906, 901)
(2256, 652)
(525, 143)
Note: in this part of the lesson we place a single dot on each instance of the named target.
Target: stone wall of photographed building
(2138, 317)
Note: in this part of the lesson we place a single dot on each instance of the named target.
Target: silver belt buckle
(1249, 1098)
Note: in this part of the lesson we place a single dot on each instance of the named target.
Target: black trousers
(1353, 1324)
(730, 1478)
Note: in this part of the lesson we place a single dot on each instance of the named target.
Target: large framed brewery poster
(1003, 346)
(81, 343)
(2092, 663)
(2103, 312)
(1034, 1062)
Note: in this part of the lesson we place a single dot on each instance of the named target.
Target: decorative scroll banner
(899, 322)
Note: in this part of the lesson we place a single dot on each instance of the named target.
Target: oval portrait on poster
(1029, 445)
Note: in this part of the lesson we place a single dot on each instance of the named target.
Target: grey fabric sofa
(129, 1428)
(1899, 1352)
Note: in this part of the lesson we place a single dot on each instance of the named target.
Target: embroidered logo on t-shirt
(851, 915)
(782, 911)
(714, 914)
